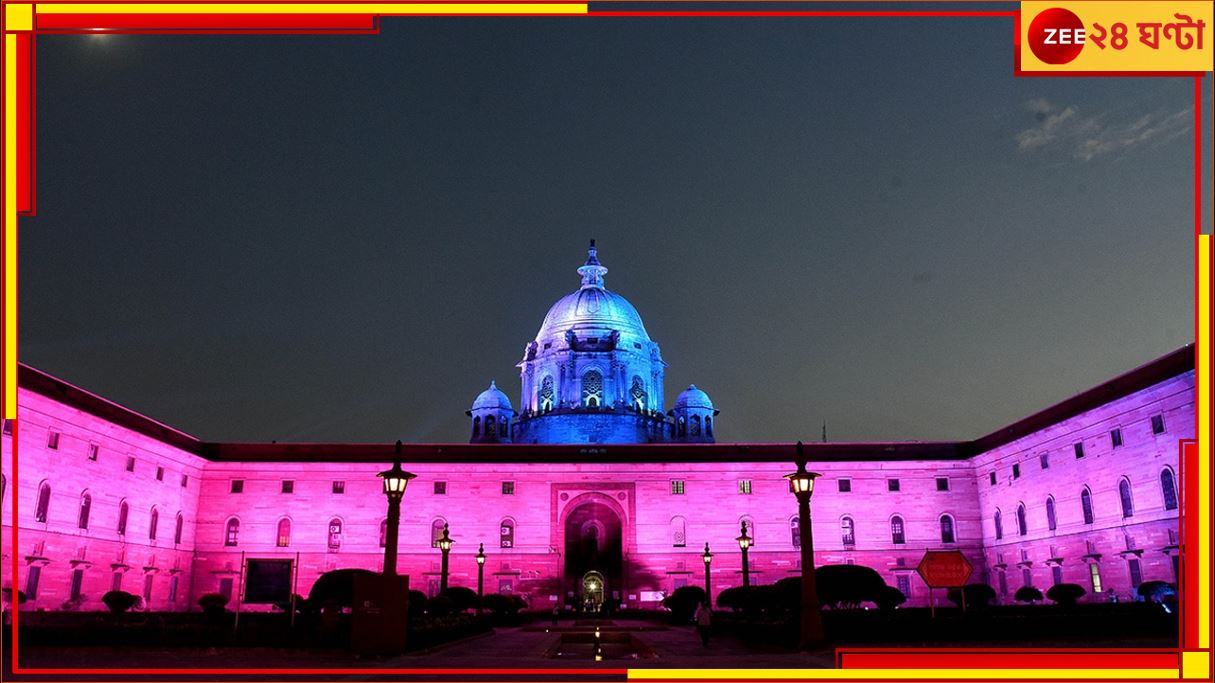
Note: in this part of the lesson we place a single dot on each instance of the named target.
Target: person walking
(704, 621)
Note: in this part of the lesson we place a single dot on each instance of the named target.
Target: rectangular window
(31, 582)
(440, 488)
(744, 486)
(237, 486)
(93, 449)
(1027, 577)
(677, 487)
(992, 477)
(52, 441)
(1056, 574)
(160, 474)
(147, 589)
(339, 487)
(1079, 448)
(130, 463)
(1016, 471)
(116, 581)
(942, 483)
(892, 484)
(903, 583)
(185, 480)
(288, 486)
(173, 589)
(1094, 576)
(508, 488)
(1116, 438)
(1136, 572)
(845, 485)
(1003, 580)
(1176, 559)
(1157, 424)
(1044, 461)
(225, 588)
(77, 584)
(8, 427)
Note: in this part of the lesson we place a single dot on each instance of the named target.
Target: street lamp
(708, 558)
(395, 480)
(744, 542)
(801, 485)
(445, 546)
(480, 570)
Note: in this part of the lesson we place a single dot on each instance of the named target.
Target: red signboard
(944, 569)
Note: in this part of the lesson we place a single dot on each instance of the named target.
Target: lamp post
(445, 546)
(481, 570)
(744, 542)
(708, 558)
(395, 480)
(801, 485)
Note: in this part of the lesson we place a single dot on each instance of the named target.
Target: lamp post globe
(708, 558)
(801, 485)
(744, 544)
(395, 481)
(481, 570)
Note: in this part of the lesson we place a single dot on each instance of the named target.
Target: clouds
(1065, 131)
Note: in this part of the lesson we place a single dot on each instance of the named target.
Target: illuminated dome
(693, 398)
(492, 398)
(592, 311)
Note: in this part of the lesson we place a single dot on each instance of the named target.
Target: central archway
(594, 547)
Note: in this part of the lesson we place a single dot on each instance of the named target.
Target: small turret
(693, 417)
(491, 416)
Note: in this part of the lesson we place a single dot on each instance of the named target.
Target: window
(52, 440)
(1022, 528)
(147, 588)
(947, 529)
(1056, 574)
(44, 502)
(116, 581)
(708, 425)
(335, 534)
(694, 429)
(1124, 495)
(1002, 577)
(178, 527)
(679, 532)
(31, 581)
(942, 483)
(1051, 522)
(152, 523)
(185, 480)
(130, 463)
(1157, 424)
(546, 393)
(77, 584)
(896, 531)
(237, 486)
(903, 583)
(283, 537)
(440, 488)
(795, 532)
(384, 533)
(1168, 489)
(1136, 572)
(173, 589)
(1115, 441)
(288, 486)
(86, 505)
(506, 534)
(592, 389)
(491, 425)
(845, 485)
(233, 530)
(1016, 470)
(8, 427)
(508, 488)
(999, 522)
(744, 486)
(1044, 461)
(477, 426)
(1086, 505)
(992, 477)
(436, 531)
(123, 510)
(339, 487)
(1079, 448)
(677, 487)
(93, 451)
(160, 474)
(1094, 576)
(1027, 577)
(892, 484)
(847, 530)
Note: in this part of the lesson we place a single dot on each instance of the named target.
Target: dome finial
(592, 272)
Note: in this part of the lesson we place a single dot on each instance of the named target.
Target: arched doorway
(593, 554)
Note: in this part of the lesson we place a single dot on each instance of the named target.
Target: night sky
(345, 238)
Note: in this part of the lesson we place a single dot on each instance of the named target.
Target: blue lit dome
(592, 311)
(492, 398)
(693, 398)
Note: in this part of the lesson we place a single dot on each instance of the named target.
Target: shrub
(1065, 593)
(684, 601)
(119, 601)
(846, 586)
(301, 605)
(417, 604)
(462, 599)
(7, 594)
(440, 606)
(1027, 594)
(335, 588)
(978, 595)
(212, 603)
(889, 597)
(73, 604)
(732, 598)
(1157, 591)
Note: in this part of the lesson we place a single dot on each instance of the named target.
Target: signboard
(267, 581)
(380, 614)
(944, 569)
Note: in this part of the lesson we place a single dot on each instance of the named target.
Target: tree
(978, 595)
(846, 586)
(684, 601)
(462, 599)
(1065, 593)
(1027, 594)
(888, 598)
(119, 601)
(1157, 591)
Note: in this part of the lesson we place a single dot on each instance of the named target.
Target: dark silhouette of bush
(1157, 591)
(505, 604)
(417, 604)
(684, 601)
(978, 595)
(335, 589)
(440, 606)
(846, 586)
(1065, 593)
(301, 605)
(119, 601)
(889, 597)
(1027, 594)
(734, 598)
(212, 603)
(462, 599)
(8, 596)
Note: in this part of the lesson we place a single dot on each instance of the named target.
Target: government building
(588, 488)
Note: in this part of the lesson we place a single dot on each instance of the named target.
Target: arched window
(335, 534)
(232, 530)
(1168, 488)
(592, 389)
(896, 531)
(999, 520)
(695, 429)
(86, 506)
(947, 529)
(123, 511)
(1051, 522)
(44, 502)
(1086, 505)
(847, 531)
(506, 534)
(504, 426)
(283, 536)
(1124, 495)
(178, 528)
(683, 427)
(679, 532)
(384, 533)
(795, 532)
(3, 487)
(708, 426)
(477, 426)
(749, 524)
(638, 395)
(1022, 527)
(436, 531)
(152, 523)
(546, 394)
(491, 425)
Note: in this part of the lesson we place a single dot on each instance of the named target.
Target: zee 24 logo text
(1057, 35)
